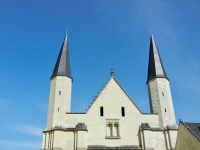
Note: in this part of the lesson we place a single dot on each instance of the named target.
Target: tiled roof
(155, 68)
(62, 66)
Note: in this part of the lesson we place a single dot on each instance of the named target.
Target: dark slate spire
(62, 66)
(156, 69)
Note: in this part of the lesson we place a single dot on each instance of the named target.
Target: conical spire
(156, 69)
(62, 66)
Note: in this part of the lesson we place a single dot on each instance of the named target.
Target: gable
(112, 98)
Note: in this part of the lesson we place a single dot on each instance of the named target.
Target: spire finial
(66, 33)
(112, 73)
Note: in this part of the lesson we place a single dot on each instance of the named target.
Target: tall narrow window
(116, 130)
(58, 109)
(162, 93)
(165, 109)
(101, 111)
(109, 130)
(123, 111)
(59, 92)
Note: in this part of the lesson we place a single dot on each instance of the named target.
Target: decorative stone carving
(145, 126)
(81, 126)
(112, 121)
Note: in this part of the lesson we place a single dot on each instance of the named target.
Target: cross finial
(112, 73)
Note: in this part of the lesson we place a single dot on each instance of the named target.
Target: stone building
(113, 121)
(188, 137)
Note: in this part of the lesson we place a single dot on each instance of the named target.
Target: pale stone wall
(71, 120)
(186, 140)
(158, 140)
(161, 101)
(112, 98)
(172, 138)
(59, 100)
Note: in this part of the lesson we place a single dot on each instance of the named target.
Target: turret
(60, 89)
(158, 88)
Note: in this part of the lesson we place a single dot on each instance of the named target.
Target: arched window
(116, 130)
(109, 130)
(112, 129)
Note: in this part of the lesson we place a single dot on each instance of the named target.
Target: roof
(62, 66)
(155, 67)
(194, 128)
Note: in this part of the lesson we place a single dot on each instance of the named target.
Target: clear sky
(102, 35)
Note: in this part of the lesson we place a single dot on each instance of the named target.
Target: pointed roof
(62, 66)
(112, 78)
(156, 68)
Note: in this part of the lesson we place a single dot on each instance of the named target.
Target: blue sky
(102, 35)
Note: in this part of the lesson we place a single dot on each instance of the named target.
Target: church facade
(113, 121)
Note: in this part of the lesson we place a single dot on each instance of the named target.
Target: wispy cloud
(28, 129)
(14, 144)
(43, 107)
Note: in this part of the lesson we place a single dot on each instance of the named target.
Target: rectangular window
(123, 111)
(101, 111)
(59, 92)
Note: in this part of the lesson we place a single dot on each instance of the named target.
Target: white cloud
(28, 129)
(14, 144)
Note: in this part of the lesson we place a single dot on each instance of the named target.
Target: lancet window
(112, 128)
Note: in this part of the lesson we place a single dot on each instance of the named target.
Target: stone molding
(122, 147)
(146, 126)
(55, 148)
(79, 126)
(112, 137)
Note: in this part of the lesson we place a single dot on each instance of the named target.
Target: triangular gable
(120, 88)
